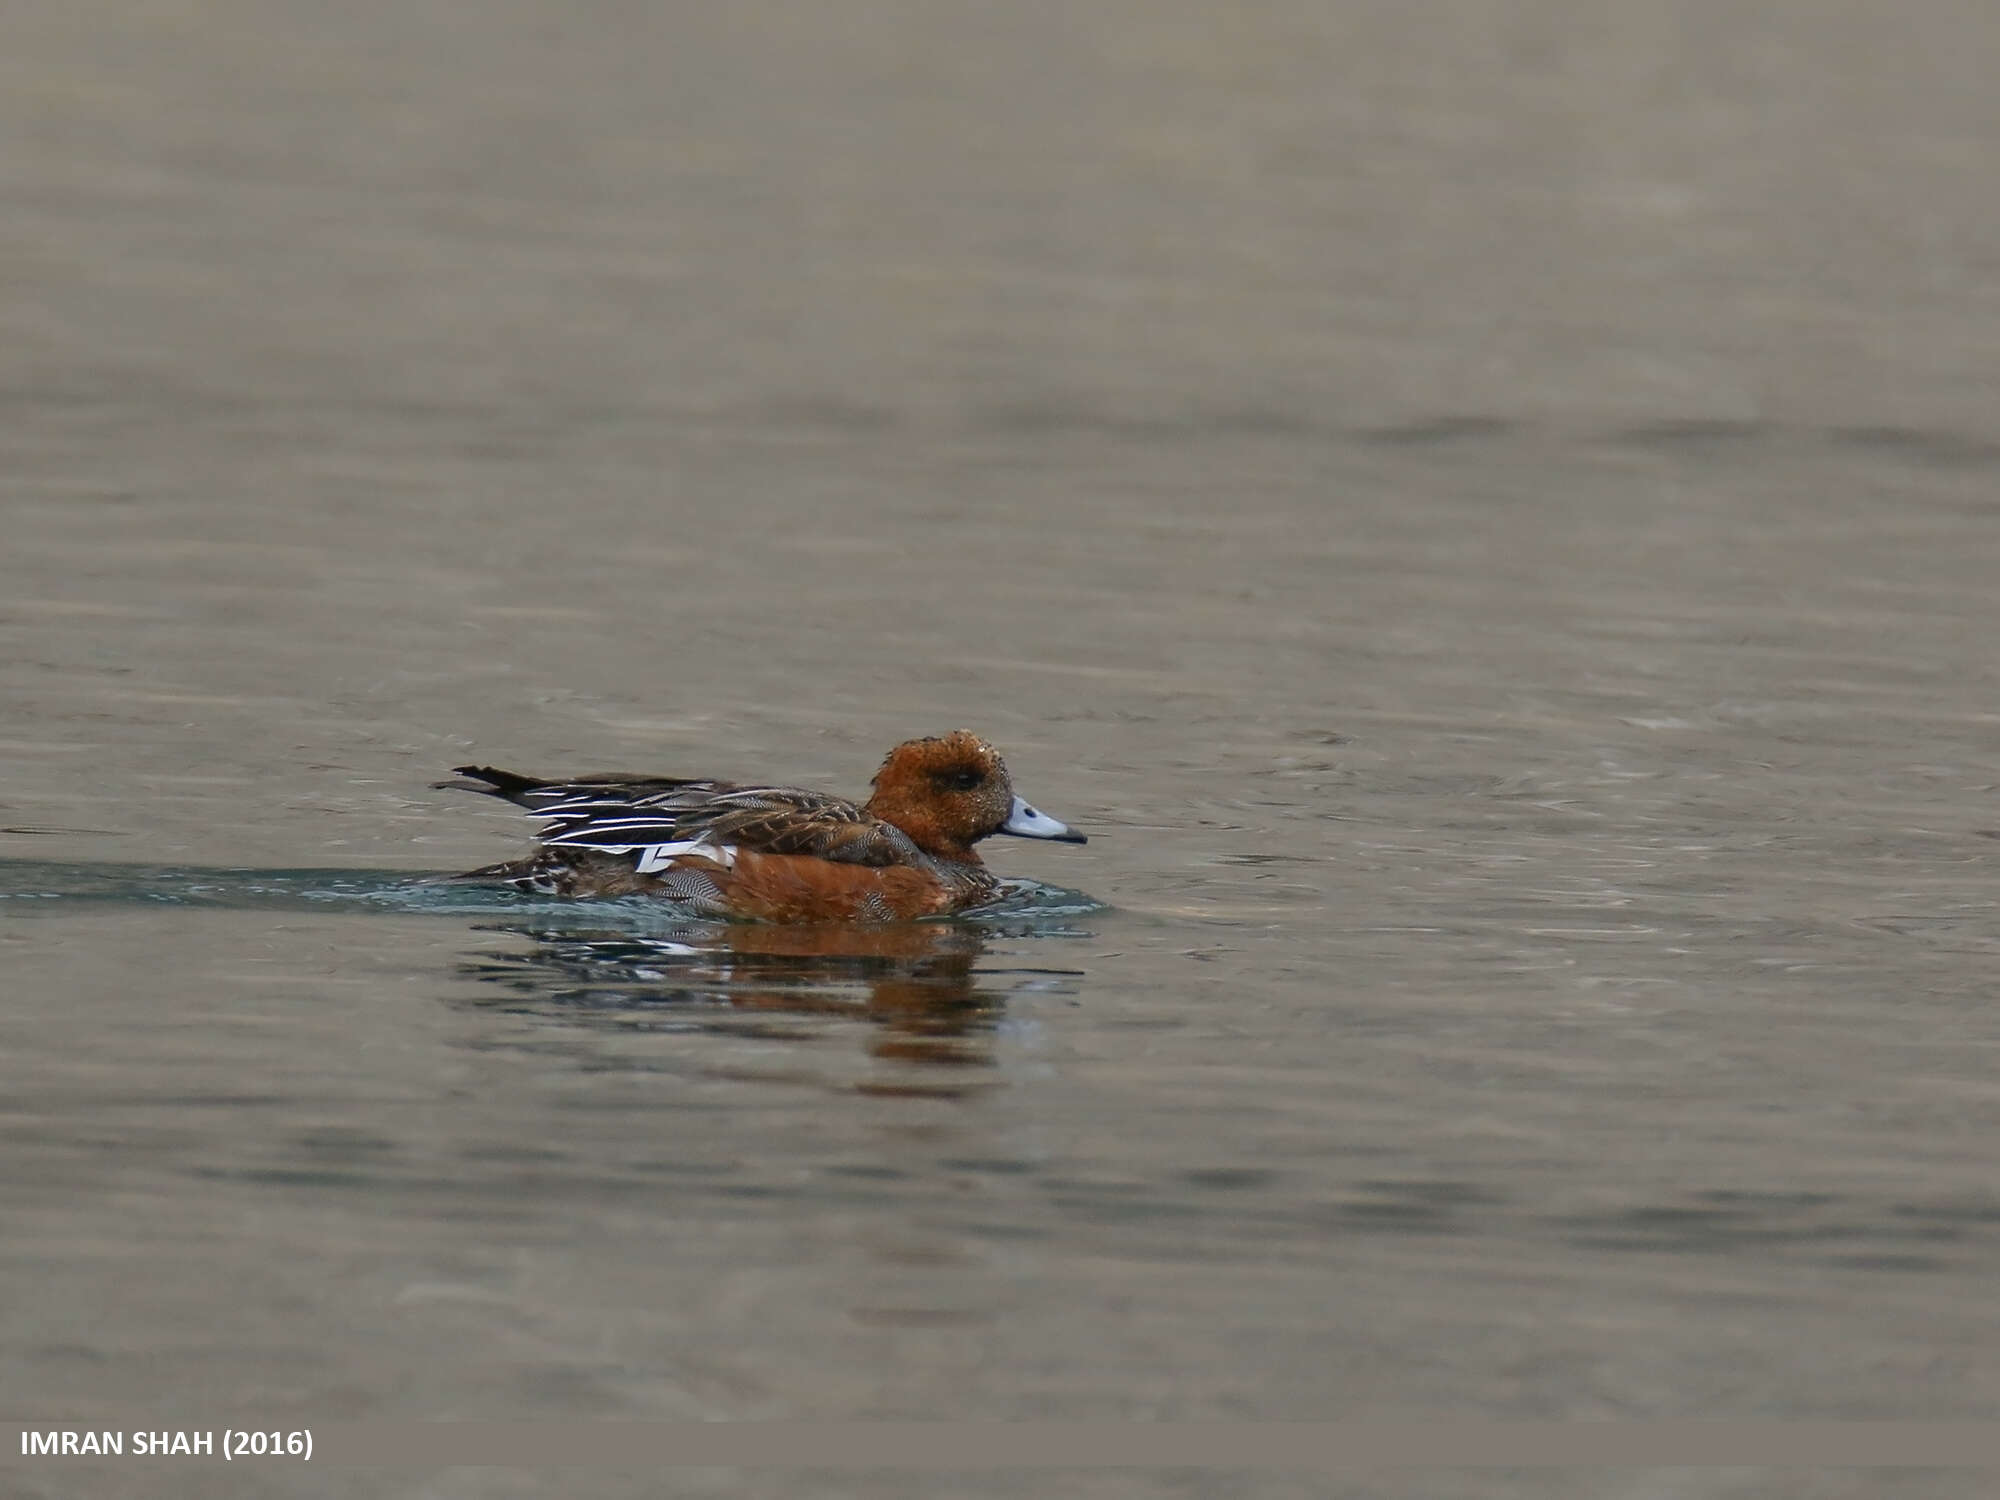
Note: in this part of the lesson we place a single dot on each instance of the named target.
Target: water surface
(1486, 517)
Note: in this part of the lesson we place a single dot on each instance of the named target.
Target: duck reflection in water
(915, 981)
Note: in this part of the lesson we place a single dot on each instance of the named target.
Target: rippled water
(1485, 516)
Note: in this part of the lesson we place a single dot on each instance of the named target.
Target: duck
(752, 852)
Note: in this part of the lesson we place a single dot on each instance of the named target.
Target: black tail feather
(492, 782)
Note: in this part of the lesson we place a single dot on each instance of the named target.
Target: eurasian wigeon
(776, 853)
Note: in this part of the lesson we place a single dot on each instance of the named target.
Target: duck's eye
(962, 781)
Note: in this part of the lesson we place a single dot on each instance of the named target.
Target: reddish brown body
(803, 888)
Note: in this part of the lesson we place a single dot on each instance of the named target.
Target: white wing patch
(654, 858)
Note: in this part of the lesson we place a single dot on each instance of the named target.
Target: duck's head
(950, 792)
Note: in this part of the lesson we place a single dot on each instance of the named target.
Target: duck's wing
(659, 818)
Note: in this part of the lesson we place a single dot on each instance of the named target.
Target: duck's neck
(923, 832)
